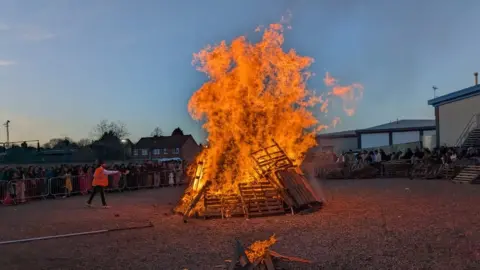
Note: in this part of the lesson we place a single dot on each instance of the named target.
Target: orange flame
(256, 93)
(259, 248)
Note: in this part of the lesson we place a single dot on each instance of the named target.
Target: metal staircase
(473, 139)
(470, 136)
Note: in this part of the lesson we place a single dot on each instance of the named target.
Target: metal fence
(69, 185)
(154, 179)
(23, 190)
(4, 192)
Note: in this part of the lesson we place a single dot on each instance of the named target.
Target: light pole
(124, 143)
(7, 126)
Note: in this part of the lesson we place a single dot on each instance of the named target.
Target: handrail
(466, 130)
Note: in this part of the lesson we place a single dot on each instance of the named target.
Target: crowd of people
(8, 172)
(412, 163)
(442, 155)
(63, 180)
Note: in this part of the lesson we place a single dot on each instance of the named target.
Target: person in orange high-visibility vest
(100, 181)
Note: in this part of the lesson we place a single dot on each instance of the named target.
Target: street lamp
(124, 142)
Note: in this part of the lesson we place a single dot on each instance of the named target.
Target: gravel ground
(366, 224)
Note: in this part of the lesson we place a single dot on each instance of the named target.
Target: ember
(258, 115)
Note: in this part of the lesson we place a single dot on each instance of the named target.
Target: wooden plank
(239, 257)
(268, 261)
(468, 174)
(297, 188)
(195, 200)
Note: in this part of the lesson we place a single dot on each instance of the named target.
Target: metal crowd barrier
(69, 185)
(23, 190)
(116, 182)
(4, 192)
(153, 179)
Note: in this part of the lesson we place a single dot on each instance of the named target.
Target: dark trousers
(102, 194)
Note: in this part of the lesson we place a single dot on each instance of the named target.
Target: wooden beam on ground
(288, 258)
(239, 255)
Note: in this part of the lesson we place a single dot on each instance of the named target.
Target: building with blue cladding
(455, 114)
(400, 132)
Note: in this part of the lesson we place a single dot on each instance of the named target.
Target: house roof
(340, 134)
(175, 141)
(402, 125)
(455, 96)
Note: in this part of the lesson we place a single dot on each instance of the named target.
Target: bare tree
(84, 142)
(117, 129)
(157, 132)
(58, 143)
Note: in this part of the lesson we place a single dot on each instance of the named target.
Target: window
(156, 152)
(165, 151)
(176, 151)
(135, 152)
(144, 152)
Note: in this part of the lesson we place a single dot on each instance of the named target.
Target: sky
(66, 65)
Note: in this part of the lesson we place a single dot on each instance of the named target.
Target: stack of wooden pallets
(469, 175)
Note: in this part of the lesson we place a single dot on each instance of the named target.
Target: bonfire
(260, 120)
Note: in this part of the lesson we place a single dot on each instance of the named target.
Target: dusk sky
(66, 65)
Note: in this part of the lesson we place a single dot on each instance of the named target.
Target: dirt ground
(365, 224)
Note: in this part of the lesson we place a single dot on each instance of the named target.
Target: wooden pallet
(298, 191)
(363, 171)
(468, 175)
(261, 199)
(270, 158)
(222, 205)
(448, 172)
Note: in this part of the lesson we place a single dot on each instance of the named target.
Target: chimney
(476, 77)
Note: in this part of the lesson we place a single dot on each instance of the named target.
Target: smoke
(308, 169)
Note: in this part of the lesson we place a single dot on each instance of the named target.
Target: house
(395, 133)
(457, 114)
(160, 148)
(109, 147)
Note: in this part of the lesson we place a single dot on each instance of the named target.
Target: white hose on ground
(72, 234)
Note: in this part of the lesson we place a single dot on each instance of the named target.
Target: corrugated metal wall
(375, 140)
(405, 137)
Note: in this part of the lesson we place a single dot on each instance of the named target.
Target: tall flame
(256, 93)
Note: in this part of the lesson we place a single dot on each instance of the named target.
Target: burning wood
(278, 185)
(259, 256)
(256, 93)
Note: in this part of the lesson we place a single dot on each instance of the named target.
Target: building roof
(175, 141)
(340, 134)
(455, 96)
(402, 125)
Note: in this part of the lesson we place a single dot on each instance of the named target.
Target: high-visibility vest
(99, 178)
